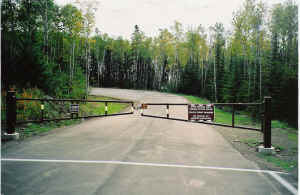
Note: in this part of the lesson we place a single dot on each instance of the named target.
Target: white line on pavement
(140, 164)
(284, 183)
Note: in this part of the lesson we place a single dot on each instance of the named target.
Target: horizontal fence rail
(70, 118)
(218, 104)
(162, 104)
(71, 100)
(209, 123)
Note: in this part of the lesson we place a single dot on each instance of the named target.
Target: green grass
(286, 165)
(279, 124)
(98, 108)
(293, 137)
(286, 129)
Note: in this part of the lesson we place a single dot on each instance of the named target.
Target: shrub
(29, 109)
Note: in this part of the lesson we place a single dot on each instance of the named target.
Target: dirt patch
(284, 141)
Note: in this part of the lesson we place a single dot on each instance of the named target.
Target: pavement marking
(140, 164)
(283, 182)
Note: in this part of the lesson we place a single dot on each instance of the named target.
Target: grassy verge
(89, 108)
(285, 165)
(284, 139)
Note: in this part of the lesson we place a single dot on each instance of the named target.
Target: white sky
(118, 17)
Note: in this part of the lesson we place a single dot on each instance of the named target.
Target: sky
(118, 17)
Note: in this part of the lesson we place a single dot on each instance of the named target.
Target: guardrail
(11, 110)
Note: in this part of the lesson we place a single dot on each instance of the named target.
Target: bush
(29, 109)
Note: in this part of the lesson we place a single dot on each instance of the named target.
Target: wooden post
(167, 111)
(106, 109)
(42, 111)
(71, 112)
(132, 110)
(262, 122)
(267, 122)
(11, 112)
(233, 111)
(77, 114)
(189, 107)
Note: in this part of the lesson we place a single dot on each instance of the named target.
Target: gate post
(106, 109)
(233, 111)
(167, 111)
(267, 122)
(267, 147)
(42, 111)
(11, 112)
(132, 109)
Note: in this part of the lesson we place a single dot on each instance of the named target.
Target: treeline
(51, 47)
(46, 46)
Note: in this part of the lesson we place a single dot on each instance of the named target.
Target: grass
(98, 108)
(89, 108)
(281, 125)
(286, 165)
(292, 133)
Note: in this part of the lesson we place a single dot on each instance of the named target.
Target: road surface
(131, 154)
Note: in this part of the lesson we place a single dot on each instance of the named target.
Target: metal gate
(11, 113)
(73, 110)
(265, 115)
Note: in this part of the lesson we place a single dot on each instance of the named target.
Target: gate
(204, 113)
(194, 112)
(11, 110)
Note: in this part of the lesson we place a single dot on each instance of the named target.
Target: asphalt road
(131, 154)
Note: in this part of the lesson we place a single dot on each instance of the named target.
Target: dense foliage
(53, 48)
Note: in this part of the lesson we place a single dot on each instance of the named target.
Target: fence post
(42, 110)
(167, 111)
(189, 107)
(77, 114)
(106, 109)
(11, 112)
(267, 122)
(132, 109)
(71, 112)
(233, 111)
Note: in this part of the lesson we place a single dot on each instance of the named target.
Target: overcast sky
(118, 17)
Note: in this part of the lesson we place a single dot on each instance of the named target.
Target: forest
(59, 51)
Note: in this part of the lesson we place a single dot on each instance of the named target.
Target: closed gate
(205, 114)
